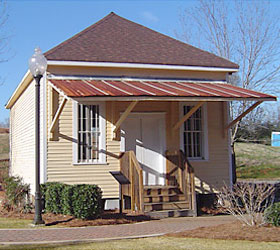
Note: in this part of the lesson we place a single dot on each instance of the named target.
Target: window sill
(89, 163)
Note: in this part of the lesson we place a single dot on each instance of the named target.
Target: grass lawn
(14, 223)
(162, 243)
(257, 161)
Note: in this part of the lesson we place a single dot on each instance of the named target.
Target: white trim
(205, 131)
(229, 147)
(102, 124)
(139, 65)
(164, 98)
(45, 117)
(75, 132)
(58, 90)
(24, 83)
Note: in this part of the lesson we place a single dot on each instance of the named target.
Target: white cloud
(149, 16)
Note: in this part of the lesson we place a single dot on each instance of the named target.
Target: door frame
(162, 134)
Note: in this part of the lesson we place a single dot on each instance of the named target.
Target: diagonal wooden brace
(57, 114)
(188, 115)
(243, 114)
(124, 115)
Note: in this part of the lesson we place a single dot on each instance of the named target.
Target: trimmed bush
(272, 214)
(53, 197)
(66, 199)
(83, 201)
(86, 201)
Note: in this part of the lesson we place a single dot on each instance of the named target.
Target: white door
(145, 135)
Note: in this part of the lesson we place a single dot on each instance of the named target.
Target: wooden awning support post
(57, 114)
(124, 116)
(188, 115)
(243, 114)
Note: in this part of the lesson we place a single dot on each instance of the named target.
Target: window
(194, 134)
(91, 132)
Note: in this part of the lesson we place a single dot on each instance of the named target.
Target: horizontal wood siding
(60, 165)
(214, 173)
(22, 144)
(210, 174)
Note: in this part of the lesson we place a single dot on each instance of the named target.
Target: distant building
(4, 131)
(275, 139)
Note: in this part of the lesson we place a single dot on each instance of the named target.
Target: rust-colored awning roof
(154, 90)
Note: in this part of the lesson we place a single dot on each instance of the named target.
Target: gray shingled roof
(118, 40)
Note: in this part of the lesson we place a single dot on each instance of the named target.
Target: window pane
(88, 130)
(193, 133)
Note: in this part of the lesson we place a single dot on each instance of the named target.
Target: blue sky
(47, 23)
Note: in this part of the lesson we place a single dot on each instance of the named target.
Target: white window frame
(205, 154)
(102, 138)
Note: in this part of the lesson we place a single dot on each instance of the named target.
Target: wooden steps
(165, 201)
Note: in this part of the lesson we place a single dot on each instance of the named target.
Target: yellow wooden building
(121, 97)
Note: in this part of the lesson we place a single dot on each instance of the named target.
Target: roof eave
(27, 78)
(139, 65)
(166, 98)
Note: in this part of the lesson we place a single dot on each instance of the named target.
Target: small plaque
(120, 177)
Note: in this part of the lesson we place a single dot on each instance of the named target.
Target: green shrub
(272, 214)
(17, 194)
(86, 201)
(66, 199)
(82, 201)
(52, 197)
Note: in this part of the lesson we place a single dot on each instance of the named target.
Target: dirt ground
(107, 218)
(233, 231)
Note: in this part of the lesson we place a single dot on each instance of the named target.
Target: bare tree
(5, 123)
(246, 201)
(246, 32)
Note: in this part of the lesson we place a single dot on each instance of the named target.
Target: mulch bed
(107, 218)
(233, 231)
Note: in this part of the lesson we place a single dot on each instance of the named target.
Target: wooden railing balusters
(131, 169)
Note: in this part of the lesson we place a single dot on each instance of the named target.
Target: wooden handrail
(192, 194)
(131, 168)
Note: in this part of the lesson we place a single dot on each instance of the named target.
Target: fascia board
(138, 65)
(26, 80)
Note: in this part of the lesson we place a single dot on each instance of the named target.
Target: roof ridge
(94, 25)
(192, 53)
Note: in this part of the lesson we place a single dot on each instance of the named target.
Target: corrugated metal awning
(154, 90)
